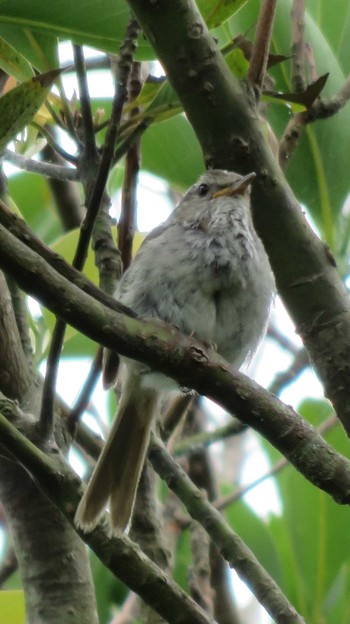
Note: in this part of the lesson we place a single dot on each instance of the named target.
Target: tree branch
(164, 348)
(62, 486)
(261, 47)
(20, 229)
(227, 126)
(298, 45)
(42, 168)
(230, 545)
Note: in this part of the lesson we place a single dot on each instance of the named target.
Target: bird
(204, 270)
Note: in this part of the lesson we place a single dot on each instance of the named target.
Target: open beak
(237, 187)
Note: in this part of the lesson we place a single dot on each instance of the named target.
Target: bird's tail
(118, 470)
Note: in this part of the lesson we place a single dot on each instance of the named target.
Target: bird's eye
(203, 190)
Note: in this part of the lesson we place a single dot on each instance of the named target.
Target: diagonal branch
(48, 170)
(165, 349)
(261, 47)
(232, 548)
(227, 126)
(22, 231)
(61, 485)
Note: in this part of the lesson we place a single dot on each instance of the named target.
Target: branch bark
(42, 538)
(164, 348)
(220, 110)
(61, 486)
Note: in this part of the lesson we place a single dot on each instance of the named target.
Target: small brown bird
(204, 270)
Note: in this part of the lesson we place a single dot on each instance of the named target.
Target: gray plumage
(204, 270)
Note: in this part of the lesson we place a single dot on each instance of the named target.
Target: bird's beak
(236, 188)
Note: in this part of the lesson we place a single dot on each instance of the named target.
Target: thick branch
(228, 129)
(15, 375)
(20, 229)
(164, 348)
(61, 485)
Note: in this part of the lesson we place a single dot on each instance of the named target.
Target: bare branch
(298, 46)
(42, 168)
(261, 46)
(20, 229)
(230, 545)
(164, 348)
(62, 486)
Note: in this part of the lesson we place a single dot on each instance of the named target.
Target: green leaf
(255, 533)
(101, 24)
(12, 606)
(38, 48)
(165, 104)
(237, 63)
(335, 26)
(18, 106)
(32, 198)
(13, 63)
(312, 535)
(217, 12)
(182, 162)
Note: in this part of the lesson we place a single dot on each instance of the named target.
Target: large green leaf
(98, 24)
(18, 106)
(312, 535)
(333, 19)
(215, 12)
(32, 195)
(13, 63)
(171, 151)
(258, 538)
(39, 48)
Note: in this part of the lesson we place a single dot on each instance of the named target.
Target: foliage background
(306, 548)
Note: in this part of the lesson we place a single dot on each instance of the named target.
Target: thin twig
(286, 377)
(205, 438)
(126, 223)
(176, 410)
(85, 395)
(107, 153)
(229, 543)
(47, 170)
(261, 46)
(298, 46)
(90, 149)
(323, 109)
(124, 145)
(283, 341)
(224, 501)
(51, 140)
(94, 202)
(65, 193)
(310, 62)
(21, 314)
